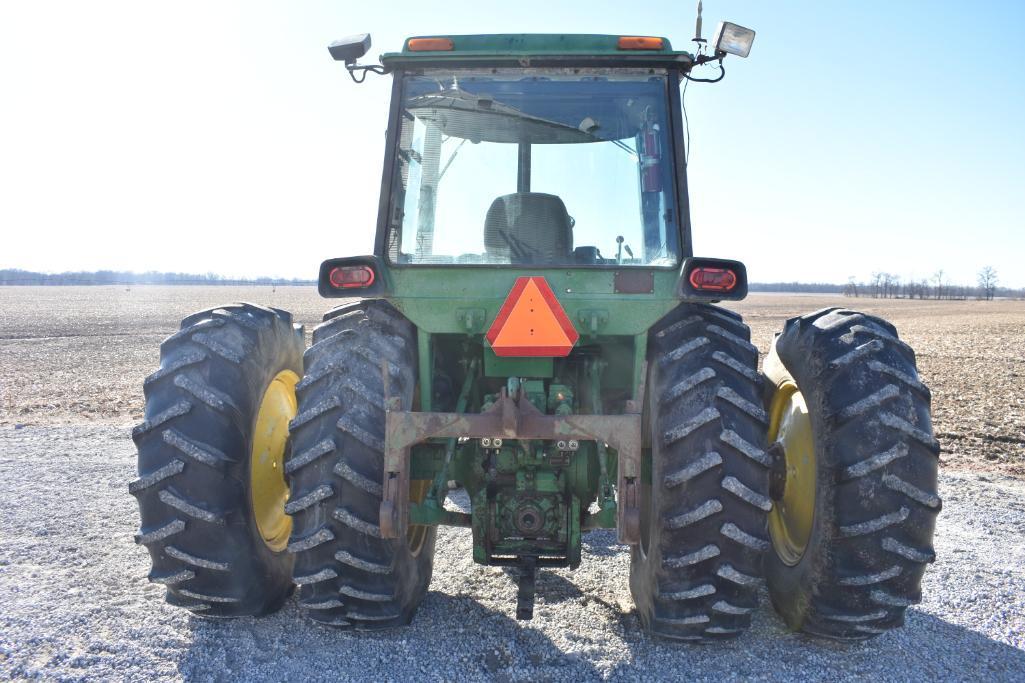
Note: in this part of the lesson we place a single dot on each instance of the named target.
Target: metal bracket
(593, 319)
(471, 319)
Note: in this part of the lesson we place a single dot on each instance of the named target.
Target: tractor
(534, 335)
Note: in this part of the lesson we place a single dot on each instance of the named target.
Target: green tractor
(534, 329)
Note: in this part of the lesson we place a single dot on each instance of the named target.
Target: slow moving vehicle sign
(532, 322)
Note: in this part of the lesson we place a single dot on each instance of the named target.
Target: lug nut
(486, 442)
(777, 470)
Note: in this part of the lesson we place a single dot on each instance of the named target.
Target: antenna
(697, 27)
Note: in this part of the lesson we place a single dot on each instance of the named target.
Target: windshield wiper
(451, 159)
(625, 147)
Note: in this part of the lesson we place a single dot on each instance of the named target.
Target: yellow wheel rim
(267, 488)
(791, 517)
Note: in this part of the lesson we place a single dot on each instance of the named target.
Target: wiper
(451, 159)
(625, 147)
(589, 126)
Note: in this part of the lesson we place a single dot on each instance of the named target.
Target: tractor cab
(517, 155)
(549, 162)
(535, 167)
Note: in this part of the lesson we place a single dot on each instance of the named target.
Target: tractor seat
(528, 227)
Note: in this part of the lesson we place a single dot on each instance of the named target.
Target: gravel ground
(74, 602)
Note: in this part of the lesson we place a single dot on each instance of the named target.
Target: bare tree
(988, 281)
(938, 279)
(891, 285)
(877, 285)
(851, 288)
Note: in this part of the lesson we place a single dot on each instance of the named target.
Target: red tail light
(351, 277)
(713, 279)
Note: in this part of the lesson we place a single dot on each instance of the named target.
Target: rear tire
(348, 575)
(875, 491)
(695, 575)
(194, 461)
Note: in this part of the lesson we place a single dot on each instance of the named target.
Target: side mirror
(733, 39)
(350, 48)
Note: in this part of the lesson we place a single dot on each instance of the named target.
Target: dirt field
(79, 354)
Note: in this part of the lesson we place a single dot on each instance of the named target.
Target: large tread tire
(876, 500)
(696, 574)
(348, 575)
(194, 456)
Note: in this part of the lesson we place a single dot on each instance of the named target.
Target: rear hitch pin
(526, 589)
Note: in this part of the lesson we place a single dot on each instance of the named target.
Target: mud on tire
(877, 502)
(696, 573)
(194, 455)
(348, 575)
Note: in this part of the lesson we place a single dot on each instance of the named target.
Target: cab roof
(541, 47)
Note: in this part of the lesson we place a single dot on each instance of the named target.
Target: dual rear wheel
(255, 477)
(818, 477)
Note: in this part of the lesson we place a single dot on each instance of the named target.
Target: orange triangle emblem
(532, 322)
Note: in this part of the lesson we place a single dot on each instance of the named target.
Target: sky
(216, 136)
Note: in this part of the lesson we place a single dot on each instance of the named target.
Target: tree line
(938, 286)
(13, 276)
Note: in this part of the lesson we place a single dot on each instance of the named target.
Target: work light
(350, 48)
(733, 39)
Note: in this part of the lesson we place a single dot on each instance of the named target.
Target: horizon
(230, 134)
(186, 278)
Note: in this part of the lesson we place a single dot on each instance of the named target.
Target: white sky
(221, 137)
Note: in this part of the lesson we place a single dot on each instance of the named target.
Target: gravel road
(74, 602)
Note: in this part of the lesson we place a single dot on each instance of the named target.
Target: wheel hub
(267, 488)
(794, 474)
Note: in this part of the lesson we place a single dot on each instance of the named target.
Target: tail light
(713, 279)
(351, 277)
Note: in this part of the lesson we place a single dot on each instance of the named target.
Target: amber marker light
(429, 44)
(640, 43)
